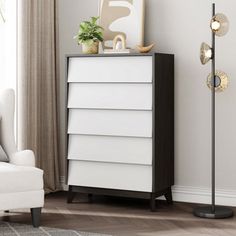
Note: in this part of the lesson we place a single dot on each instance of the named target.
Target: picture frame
(122, 17)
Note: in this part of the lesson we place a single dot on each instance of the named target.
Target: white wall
(179, 27)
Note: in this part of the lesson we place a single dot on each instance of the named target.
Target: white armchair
(21, 183)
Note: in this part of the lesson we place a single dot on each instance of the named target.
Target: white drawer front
(108, 175)
(110, 122)
(110, 96)
(110, 149)
(110, 69)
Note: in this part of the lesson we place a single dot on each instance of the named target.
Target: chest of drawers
(120, 127)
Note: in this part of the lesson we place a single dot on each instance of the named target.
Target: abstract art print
(123, 17)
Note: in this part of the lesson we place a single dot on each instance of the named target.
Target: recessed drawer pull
(110, 96)
(110, 122)
(110, 69)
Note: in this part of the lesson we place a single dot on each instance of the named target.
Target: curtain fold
(37, 86)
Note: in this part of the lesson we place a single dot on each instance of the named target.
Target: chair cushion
(19, 178)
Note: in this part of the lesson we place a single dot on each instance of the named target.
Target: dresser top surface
(116, 54)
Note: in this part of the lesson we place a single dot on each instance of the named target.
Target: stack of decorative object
(120, 30)
(217, 81)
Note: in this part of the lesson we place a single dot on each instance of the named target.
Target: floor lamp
(217, 81)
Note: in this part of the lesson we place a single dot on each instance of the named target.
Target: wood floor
(124, 217)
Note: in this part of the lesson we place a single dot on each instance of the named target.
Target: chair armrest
(23, 158)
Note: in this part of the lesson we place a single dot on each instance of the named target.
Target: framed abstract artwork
(123, 17)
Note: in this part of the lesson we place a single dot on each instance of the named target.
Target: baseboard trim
(203, 195)
(63, 184)
(193, 195)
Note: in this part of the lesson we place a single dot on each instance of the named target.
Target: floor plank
(121, 216)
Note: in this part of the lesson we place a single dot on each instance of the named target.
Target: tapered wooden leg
(36, 216)
(168, 196)
(71, 195)
(153, 202)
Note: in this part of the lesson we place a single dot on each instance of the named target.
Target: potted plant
(89, 36)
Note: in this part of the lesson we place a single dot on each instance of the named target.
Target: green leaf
(94, 19)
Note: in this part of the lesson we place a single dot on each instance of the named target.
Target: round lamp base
(219, 213)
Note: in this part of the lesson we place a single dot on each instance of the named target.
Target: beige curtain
(37, 86)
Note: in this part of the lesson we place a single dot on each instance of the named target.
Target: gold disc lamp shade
(222, 81)
(205, 53)
(220, 24)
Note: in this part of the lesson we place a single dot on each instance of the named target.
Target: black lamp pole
(213, 123)
(213, 211)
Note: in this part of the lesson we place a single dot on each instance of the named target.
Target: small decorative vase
(90, 48)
